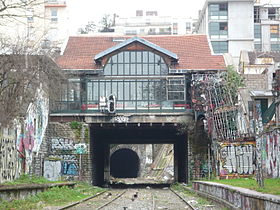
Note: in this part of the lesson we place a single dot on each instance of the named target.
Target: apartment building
(56, 19)
(266, 27)
(235, 25)
(228, 25)
(150, 23)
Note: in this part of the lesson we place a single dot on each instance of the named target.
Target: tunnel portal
(124, 163)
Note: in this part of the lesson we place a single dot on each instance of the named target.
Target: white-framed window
(175, 87)
(54, 15)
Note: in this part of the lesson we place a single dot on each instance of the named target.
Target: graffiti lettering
(120, 119)
(69, 168)
(62, 144)
(237, 158)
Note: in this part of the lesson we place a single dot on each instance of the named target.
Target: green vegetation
(272, 186)
(53, 197)
(233, 82)
(76, 125)
(29, 179)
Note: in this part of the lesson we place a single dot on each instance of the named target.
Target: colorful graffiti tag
(237, 158)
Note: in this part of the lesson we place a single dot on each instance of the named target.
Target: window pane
(151, 57)
(102, 89)
(108, 88)
(132, 57)
(139, 69)
(126, 57)
(89, 91)
(120, 91)
(120, 57)
(139, 57)
(126, 69)
(145, 57)
(145, 90)
(114, 69)
(126, 91)
(133, 69)
(120, 72)
(115, 88)
(114, 59)
(132, 91)
(145, 69)
(95, 90)
(139, 90)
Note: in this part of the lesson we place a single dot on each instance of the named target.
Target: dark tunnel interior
(124, 163)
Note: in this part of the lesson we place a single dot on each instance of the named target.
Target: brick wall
(57, 158)
(256, 81)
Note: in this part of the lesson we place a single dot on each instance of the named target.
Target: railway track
(145, 198)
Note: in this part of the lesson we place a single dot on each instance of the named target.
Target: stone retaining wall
(237, 197)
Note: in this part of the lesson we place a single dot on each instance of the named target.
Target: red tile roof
(193, 51)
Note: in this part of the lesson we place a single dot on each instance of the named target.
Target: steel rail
(186, 202)
(112, 200)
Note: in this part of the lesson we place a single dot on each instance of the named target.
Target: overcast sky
(82, 11)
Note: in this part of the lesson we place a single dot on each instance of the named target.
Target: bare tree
(21, 75)
(107, 22)
(89, 28)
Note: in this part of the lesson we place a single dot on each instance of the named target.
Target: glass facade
(275, 46)
(139, 81)
(257, 31)
(218, 29)
(220, 47)
(274, 31)
(218, 11)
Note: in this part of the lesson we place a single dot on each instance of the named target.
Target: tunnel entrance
(124, 163)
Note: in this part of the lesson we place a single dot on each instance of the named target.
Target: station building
(133, 90)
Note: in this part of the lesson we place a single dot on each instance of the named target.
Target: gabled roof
(136, 39)
(193, 51)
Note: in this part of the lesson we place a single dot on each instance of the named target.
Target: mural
(237, 158)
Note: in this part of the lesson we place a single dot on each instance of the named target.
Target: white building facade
(235, 25)
(228, 25)
(150, 23)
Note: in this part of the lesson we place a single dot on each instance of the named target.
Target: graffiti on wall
(30, 134)
(271, 153)
(10, 166)
(62, 160)
(237, 158)
(61, 144)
